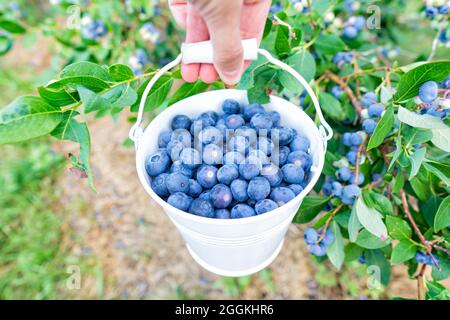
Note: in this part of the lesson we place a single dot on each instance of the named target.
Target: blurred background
(53, 227)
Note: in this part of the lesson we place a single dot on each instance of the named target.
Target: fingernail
(232, 77)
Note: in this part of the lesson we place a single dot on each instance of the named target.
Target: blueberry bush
(380, 70)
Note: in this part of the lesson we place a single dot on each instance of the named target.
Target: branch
(327, 223)
(442, 27)
(421, 283)
(427, 245)
(358, 157)
(335, 78)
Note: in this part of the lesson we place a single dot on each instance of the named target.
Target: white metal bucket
(232, 247)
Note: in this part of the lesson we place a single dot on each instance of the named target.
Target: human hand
(225, 23)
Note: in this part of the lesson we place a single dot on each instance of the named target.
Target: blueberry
(223, 129)
(258, 188)
(242, 211)
(360, 178)
(296, 188)
(301, 159)
(351, 156)
(164, 138)
(210, 135)
(376, 177)
(178, 166)
(282, 195)
(221, 196)
(344, 174)
(265, 145)
(208, 118)
(311, 236)
(346, 139)
(368, 99)
(423, 258)
(239, 143)
(329, 237)
(258, 156)
(356, 139)
(369, 125)
(300, 143)
(445, 84)
(336, 188)
(207, 176)
(177, 182)
(202, 208)
(230, 106)
(276, 118)
(247, 132)
(444, 9)
(181, 122)
(195, 189)
(183, 136)
(279, 155)
(190, 158)
(265, 205)
(431, 12)
(233, 157)
(337, 92)
(157, 163)
(428, 92)
(212, 154)
(227, 174)
(375, 110)
(174, 149)
(261, 121)
(248, 169)
(350, 193)
(282, 135)
(350, 32)
(239, 190)
(252, 109)
(362, 259)
(292, 173)
(205, 195)
(222, 214)
(180, 201)
(433, 111)
(196, 127)
(234, 121)
(273, 174)
(159, 185)
(319, 250)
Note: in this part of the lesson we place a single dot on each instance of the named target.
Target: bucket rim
(227, 222)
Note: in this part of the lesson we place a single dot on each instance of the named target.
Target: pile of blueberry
(316, 245)
(342, 58)
(92, 29)
(372, 111)
(353, 26)
(435, 8)
(430, 100)
(236, 164)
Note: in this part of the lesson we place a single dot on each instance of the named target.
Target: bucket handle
(202, 52)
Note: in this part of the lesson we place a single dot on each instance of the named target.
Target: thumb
(224, 30)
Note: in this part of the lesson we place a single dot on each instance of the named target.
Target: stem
(335, 78)
(327, 223)
(434, 45)
(421, 283)
(437, 247)
(424, 241)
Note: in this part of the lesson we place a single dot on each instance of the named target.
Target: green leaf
(370, 219)
(444, 269)
(187, 90)
(382, 129)
(258, 93)
(353, 225)
(414, 136)
(282, 45)
(416, 160)
(416, 120)
(403, 251)
(26, 118)
(89, 82)
(382, 204)
(436, 291)
(442, 218)
(421, 189)
(11, 26)
(72, 130)
(304, 63)
(410, 82)
(157, 95)
(92, 101)
(335, 251)
(398, 228)
(86, 68)
(378, 265)
(6, 44)
(57, 98)
(120, 72)
(310, 208)
(120, 97)
(248, 78)
(331, 106)
(329, 44)
(441, 138)
(437, 170)
(367, 240)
